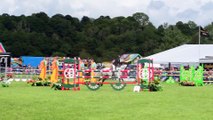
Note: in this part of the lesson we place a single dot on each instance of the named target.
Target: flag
(2, 50)
(204, 32)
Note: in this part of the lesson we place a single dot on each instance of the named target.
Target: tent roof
(187, 53)
(129, 57)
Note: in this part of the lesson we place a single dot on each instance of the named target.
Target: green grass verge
(23, 102)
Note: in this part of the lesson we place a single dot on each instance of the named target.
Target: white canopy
(188, 53)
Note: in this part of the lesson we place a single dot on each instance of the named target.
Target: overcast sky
(159, 11)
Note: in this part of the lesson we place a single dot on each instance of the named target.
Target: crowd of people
(162, 73)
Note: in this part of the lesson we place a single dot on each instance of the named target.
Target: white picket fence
(19, 74)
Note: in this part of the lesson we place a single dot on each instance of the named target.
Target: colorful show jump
(75, 74)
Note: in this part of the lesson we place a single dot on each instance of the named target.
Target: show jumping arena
(19, 100)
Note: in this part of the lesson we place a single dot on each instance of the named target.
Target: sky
(159, 11)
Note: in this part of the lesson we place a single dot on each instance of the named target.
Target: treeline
(103, 38)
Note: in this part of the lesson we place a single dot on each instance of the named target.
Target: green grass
(23, 102)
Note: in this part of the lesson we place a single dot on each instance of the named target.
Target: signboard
(5, 59)
(208, 66)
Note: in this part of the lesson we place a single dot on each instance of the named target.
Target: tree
(173, 37)
(141, 18)
(84, 54)
(103, 38)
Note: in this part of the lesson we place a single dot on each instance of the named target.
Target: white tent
(188, 53)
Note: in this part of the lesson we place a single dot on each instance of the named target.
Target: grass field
(23, 102)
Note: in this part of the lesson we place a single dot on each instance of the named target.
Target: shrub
(5, 83)
(155, 85)
(152, 86)
(57, 86)
(46, 83)
(37, 81)
(187, 83)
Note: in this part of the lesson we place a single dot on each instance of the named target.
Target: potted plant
(5, 83)
(155, 85)
(47, 82)
(187, 83)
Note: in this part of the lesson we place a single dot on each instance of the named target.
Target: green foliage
(187, 83)
(56, 86)
(5, 83)
(37, 81)
(152, 86)
(170, 80)
(155, 86)
(103, 38)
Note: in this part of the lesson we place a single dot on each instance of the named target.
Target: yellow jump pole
(81, 67)
(54, 75)
(93, 68)
(43, 68)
